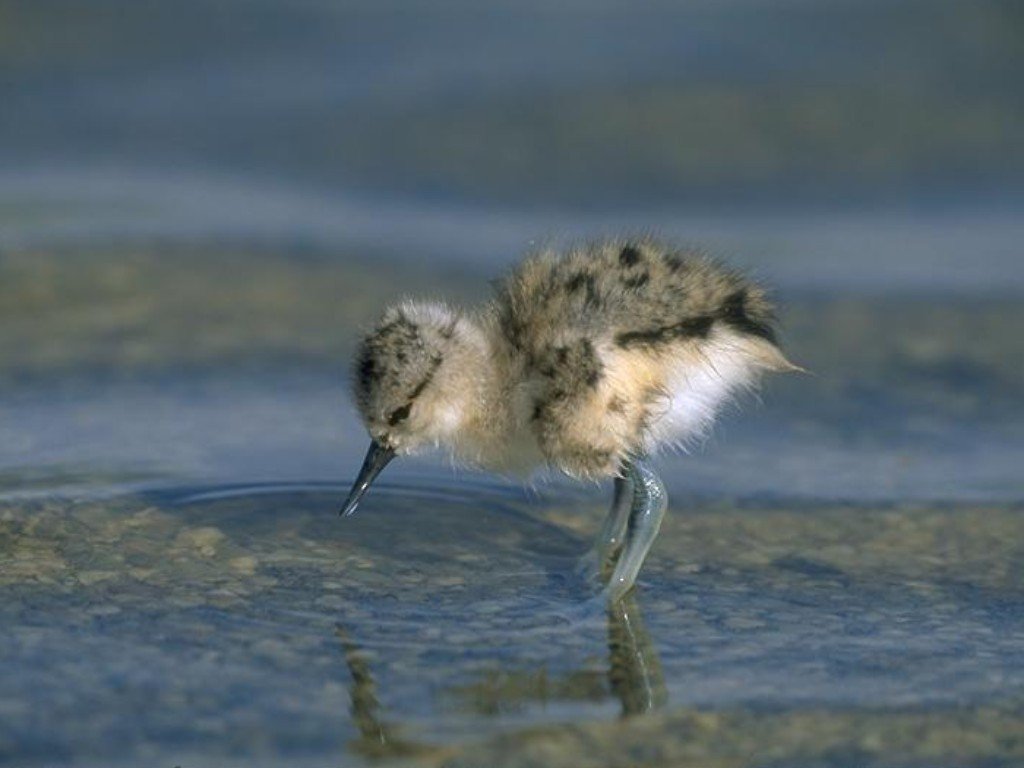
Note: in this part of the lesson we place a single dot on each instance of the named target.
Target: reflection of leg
(365, 707)
(376, 739)
(645, 515)
(634, 671)
(609, 541)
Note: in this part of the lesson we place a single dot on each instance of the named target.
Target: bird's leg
(613, 531)
(645, 515)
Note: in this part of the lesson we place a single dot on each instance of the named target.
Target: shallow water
(248, 623)
(838, 581)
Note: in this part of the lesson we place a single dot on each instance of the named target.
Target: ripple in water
(251, 622)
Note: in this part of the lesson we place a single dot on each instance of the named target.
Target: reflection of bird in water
(376, 738)
(634, 671)
(587, 361)
(634, 678)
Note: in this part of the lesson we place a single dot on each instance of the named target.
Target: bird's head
(411, 383)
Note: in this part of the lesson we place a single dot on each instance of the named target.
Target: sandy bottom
(250, 625)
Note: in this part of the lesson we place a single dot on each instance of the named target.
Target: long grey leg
(613, 532)
(645, 516)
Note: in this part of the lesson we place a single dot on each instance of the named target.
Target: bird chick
(587, 361)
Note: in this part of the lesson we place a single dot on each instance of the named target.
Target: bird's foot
(597, 565)
(615, 591)
(592, 566)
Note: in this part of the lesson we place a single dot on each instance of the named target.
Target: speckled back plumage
(643, 292)
(605, 333)
(581, 360)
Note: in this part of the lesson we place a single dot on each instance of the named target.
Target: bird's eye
(399, 414)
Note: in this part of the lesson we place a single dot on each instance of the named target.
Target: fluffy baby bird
(588, 361)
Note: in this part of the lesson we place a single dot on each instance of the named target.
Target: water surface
(838, 580)
(223, 623)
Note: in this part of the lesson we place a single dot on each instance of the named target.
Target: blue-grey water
(201, 205)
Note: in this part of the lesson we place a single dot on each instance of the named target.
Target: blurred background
(201, 202)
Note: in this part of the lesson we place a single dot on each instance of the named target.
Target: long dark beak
(376, 459)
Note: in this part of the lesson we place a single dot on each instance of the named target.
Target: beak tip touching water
(376, 459)
(349, 508)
